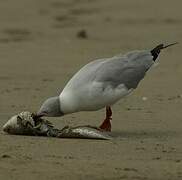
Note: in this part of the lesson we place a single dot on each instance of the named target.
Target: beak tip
(38, 114)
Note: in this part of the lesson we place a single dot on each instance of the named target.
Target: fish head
(12, 125)
(20, 124)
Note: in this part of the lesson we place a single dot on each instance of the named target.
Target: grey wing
(127, 70)
(84, 75)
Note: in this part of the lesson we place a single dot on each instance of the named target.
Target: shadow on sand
(144, 134)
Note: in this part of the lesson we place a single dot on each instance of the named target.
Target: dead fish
(25, 123)
(85, 132)
(20, 124)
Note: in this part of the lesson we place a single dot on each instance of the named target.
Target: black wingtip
(156, 51)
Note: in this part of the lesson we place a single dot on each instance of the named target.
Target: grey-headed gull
(101, 83)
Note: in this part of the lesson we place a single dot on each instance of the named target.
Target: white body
(83, 93)
(102, 83)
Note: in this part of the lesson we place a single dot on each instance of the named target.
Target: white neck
(68, 103)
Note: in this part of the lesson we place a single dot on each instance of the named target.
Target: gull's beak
(168, 45)
(38, 114)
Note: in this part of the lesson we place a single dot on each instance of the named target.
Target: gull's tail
(156, 51)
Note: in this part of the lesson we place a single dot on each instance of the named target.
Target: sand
(43, 43)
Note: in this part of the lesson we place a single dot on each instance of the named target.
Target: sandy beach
(44, 42)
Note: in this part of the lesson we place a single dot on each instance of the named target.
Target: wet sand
(43, 43)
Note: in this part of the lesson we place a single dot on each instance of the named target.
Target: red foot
(106, 125)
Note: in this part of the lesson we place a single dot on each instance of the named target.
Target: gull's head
(51, 108)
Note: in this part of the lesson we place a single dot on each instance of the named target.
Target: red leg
(106, 125)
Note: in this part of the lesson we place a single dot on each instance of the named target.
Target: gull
(101, 83)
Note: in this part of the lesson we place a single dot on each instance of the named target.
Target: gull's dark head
(51, 108)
